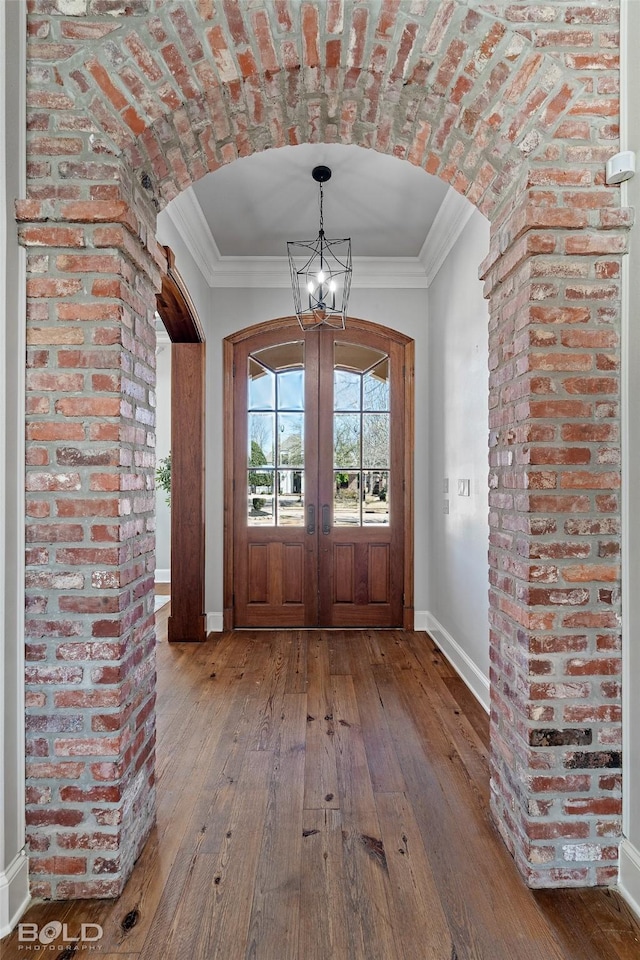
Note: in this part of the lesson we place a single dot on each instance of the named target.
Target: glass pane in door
(346, 440)
(291, 390)
(375, 440)
(290, 439)
(375, 498)
(361, 435)
(346, 499)
(260, 505)
(376, 387)
(346, 390)
(290, 498)
(275, 479)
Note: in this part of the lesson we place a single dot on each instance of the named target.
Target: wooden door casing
(287, 576)
(188, 380)
(187, 620)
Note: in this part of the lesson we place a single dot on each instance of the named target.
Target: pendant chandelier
(320, 273)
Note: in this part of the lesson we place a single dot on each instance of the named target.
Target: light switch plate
(464, 488)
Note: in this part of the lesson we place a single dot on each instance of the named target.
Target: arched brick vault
(452, 89)
(515, 106)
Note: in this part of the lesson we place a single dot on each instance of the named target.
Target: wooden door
(360, 483)
(319, 478)
(275, 480)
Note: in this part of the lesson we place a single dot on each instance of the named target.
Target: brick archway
(519, 114)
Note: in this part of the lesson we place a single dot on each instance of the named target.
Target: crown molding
(368, 272)
(220, 271)
(452, 217)
(273, 272)
(380, 272)
(186, 215)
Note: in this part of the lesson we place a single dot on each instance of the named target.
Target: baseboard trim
(162, 576)
(629, 878)
(461, 662)
(14, 893)
(214, 623)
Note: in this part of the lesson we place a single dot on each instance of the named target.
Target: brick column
(93, 270)
(486, 99)
(553, 279)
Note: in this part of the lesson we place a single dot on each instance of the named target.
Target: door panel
(258, 574)
(292, 578)
(319, 455)
(361, 461)
(275, 481)
(378, 565)
(344, 573)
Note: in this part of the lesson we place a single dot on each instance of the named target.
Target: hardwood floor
(324, 796)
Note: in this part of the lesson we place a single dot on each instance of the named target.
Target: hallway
(325, 796)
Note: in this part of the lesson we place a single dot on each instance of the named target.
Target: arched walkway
(518, 114)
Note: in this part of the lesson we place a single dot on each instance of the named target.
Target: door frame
(291, 324)
(187, 619)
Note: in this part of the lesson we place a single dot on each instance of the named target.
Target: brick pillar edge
(93, 271)
(555, 534)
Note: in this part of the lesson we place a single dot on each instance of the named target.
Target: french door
(319, 478)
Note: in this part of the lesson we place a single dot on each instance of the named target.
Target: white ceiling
(236, 222)
(254, 205)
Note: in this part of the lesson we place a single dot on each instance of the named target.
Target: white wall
(163, 448)
(14, 891)
(630, 140)
(457, 602)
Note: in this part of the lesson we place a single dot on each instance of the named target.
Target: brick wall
(515, 105)
(93, 272)
(555, 533)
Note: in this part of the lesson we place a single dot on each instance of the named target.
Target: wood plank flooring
(324, 796)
